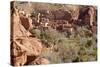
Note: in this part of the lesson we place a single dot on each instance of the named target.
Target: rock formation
(21, 44)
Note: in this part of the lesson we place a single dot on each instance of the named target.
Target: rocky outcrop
(21, 44)
(34, 47)
(30, 47)
(87, 15)
(17, 29)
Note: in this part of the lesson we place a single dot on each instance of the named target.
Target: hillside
(45, 33)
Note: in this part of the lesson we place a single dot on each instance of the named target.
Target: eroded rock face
(33, 45)
(21, 44)
(30, 47)
(92, 13)
(17, 28)
(26, 22)
(20, 59)
(75, 12)
(15, 50)
(88, 15)
(61, 15)
(40, 60)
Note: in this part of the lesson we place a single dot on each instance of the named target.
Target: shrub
(76, 48)
(36, 32)
(51, 36)
(53, 57)
(88, 49)
(68, 50)
(84, 32)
